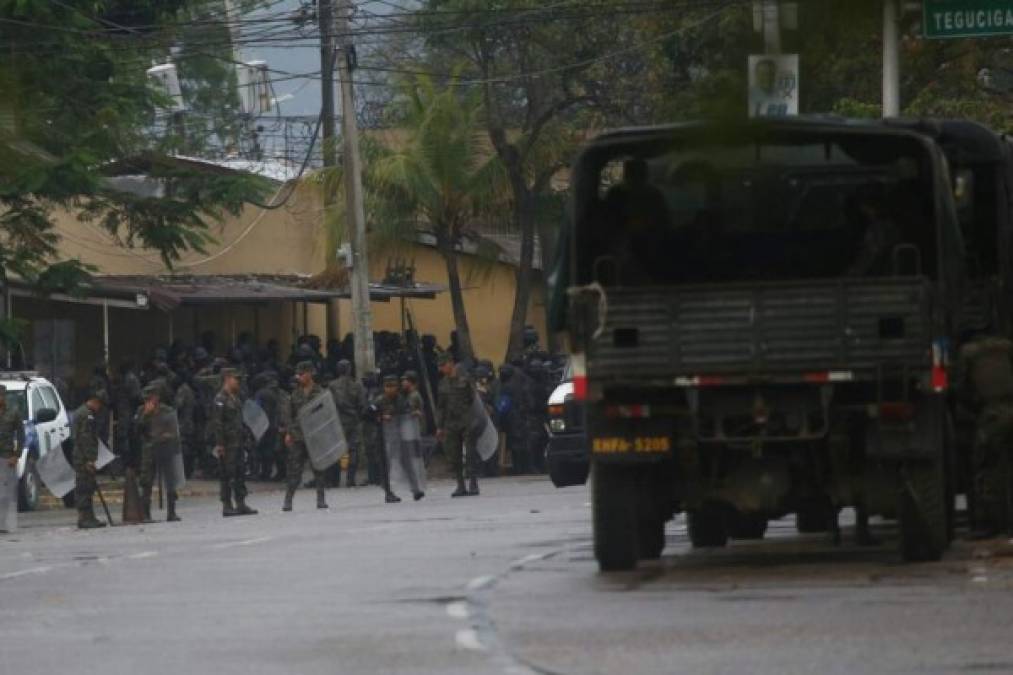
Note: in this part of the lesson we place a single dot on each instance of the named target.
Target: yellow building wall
(288, 241)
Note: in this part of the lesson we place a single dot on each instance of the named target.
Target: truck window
(37, 401)
(16, 399)
(51, 399)
(756, 212)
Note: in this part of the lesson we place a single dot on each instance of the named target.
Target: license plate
(636, 445)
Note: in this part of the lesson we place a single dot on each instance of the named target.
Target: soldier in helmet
(985, 386)
(307, 390)
(350, 400)
(454, 420)
(149, 422)
(86, 442)
(227, 432)
(11, 430)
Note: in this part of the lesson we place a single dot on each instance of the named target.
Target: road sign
(967, 18)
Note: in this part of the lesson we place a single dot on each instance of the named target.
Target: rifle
(423, 371)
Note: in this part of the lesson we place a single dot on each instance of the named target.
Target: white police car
(47, 426)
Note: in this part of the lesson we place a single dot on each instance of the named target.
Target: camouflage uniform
(226, 428)
(454, 418)
(11, 428)
(350, 400)
(186, 408)
(297, 451)
(986, 385)
(144, 423)
(85, 454)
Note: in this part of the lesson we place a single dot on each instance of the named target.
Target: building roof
(167, 292)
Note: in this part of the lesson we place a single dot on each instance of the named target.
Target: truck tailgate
(764, 328)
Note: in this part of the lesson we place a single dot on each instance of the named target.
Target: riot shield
(168, 450)
(483, 431)
(105, 456)
(8, 498)
(400, 467)
(56, 473)
(255, 419)
(322, 431)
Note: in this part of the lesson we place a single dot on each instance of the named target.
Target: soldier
(127, 396)
(85, 454)
(371, 430)
(149, 422)
(266, 396)
(307, 390)
(985, 385)
(11, 430)
(453, 421)
(414, 406)
(227, 431)
(350, 400)
(186, 411)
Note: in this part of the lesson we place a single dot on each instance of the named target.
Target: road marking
(25, 573)
(244, 542)
(467, 638)
(479, 583)
(458, 610)
(534, 557)
(979, 579)
(142, 555)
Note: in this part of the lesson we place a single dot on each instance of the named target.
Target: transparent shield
(401, 467)
(8, 499)
(105, 456)
(58, 475)
(167, 448)
(483, 431)
(322, 431)
(255, 419)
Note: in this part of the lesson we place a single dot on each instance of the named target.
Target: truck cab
(47, 427)
(761, 317)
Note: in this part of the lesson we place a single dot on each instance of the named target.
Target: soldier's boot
(170, 508)
(242, 509)
(86, 520)
(461, 491)
(321, 500)
(228, 510)
(289, 494)
(473, 486)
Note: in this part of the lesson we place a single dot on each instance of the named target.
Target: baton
(105, 507)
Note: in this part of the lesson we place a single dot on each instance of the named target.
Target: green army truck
(762, 317)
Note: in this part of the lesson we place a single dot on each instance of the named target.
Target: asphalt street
(502, 583)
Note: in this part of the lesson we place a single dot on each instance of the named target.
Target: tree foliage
(77, 105)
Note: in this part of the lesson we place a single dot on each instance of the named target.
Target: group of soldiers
(206, 396)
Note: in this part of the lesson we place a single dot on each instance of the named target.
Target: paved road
(500, 584)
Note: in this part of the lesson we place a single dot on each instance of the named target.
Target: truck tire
(651, 537)
(706, 527)
(747, 526)
(614, 514)
(29, 487)
(813, 520)
(923, 512)
(567, 474)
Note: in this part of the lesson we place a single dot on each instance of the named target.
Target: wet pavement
(503, 583)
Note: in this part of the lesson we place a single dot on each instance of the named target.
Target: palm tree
(442, 179)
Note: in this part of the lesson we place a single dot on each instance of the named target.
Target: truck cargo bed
(762, 329)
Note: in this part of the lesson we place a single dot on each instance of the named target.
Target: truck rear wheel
(706, 527)
(614, 507)
(923, 512)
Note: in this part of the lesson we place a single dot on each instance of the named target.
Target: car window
(37, 401)
(16, 399)
(50, 397)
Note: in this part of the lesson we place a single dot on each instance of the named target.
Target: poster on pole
(773, 85)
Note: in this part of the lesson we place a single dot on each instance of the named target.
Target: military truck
(761, 317)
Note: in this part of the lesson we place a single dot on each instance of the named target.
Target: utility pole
(362, 318)
(891, 60)
(771, 26)
(325, 17)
